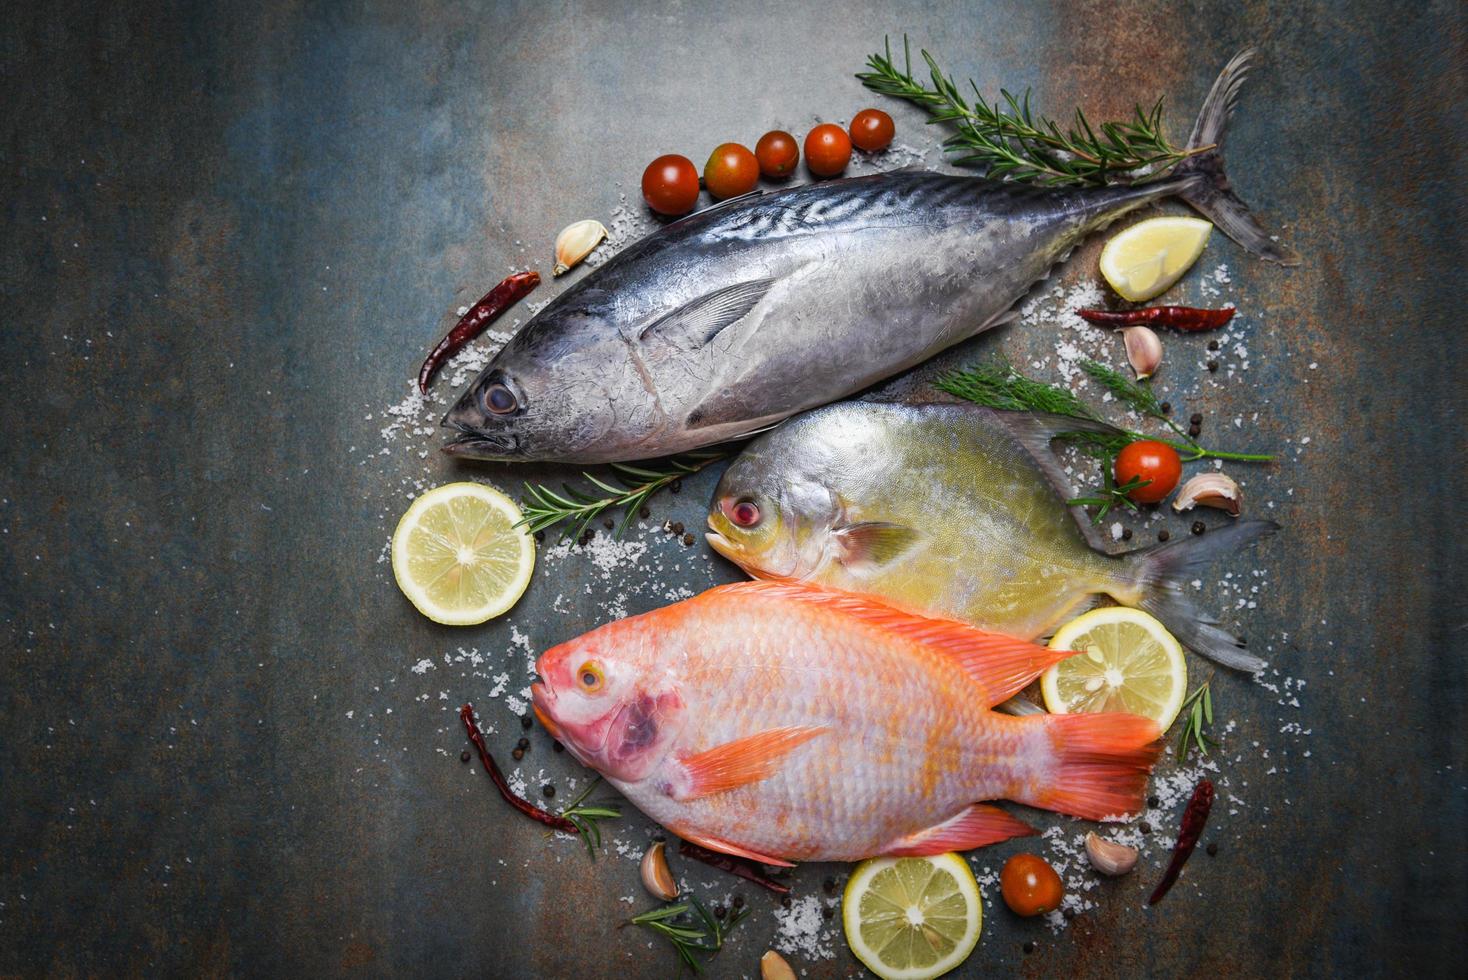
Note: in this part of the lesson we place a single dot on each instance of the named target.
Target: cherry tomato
(732, 170)
(1030, 886)
(827, 150)
(872, 130)
(670, 185)
(778, 153)
(1149, 460)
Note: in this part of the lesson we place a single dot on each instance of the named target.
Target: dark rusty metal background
(232, 229)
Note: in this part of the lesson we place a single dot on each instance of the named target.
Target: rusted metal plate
(229, 747)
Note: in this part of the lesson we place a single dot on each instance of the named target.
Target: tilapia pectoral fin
(1101, 764)
(745, 760)
(999, 665)
(873, 542)
(700, 320)
(977, 826)
(724, 847)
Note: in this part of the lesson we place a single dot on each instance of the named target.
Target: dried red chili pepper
(1194, 817)
(1188, 318)
(742, 867)
(481, 314)
(466, 715)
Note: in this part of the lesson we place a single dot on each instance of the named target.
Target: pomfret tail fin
(1206, 187)
(1101, 764)
(1165, 570)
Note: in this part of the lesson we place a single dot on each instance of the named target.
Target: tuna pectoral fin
(724, 847)
(1205, 186)
(1101, 764)
(744, 760)
(700, 320)
(1167, 569)
(976, 826)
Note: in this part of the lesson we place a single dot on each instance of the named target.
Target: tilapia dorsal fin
(700, 320)
(742, 761)
(975, 826)
(1035, 431)
(999, 665)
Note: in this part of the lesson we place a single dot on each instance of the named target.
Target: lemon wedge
(1144, 260)
(458, 556)
(1127, 661)
(912, 918)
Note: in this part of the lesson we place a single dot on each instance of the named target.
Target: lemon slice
(912, 918)
(458, 556)
(1146, 259)
(1126, 662)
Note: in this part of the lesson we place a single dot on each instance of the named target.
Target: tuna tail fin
(1205, 186)
(1167, 568)
(1101, 764)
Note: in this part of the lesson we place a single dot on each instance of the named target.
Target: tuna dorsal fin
(1035, 431)
(873, 542)
(699, 320)
(744, 760)
(974, 826)
(999, 665)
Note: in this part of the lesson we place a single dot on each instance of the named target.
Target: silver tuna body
(734, 318)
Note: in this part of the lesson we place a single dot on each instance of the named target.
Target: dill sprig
(586, 818)
(544, 507)
(1110, 495)
(690, 933)
(1197, 711)
(1009, 141)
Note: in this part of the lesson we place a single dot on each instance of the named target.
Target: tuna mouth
(479, 445)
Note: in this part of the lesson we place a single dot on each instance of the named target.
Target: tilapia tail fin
(1165, 571)
(1203, 183)
(1101, 764)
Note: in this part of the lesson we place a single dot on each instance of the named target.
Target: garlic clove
(772, 966)
(1143, 350)
(656, 877)
(1210, 490)
(1109, 857)
(575, 243)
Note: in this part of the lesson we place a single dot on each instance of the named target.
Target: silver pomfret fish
(950, 510)
(727, 321)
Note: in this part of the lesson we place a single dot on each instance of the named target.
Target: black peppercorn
(526, 721)
(1068, 912)
(1153, 802)
(1126, 534)
(677, 527)
(1029, 948)
(518, 754)
(1212, 366)
(606, 522)
(540, 537)
(687, 540)
(1163, 534)
(1212, 848)
(1213, 345)
(1166, 408)
(548, 790)
(739, 901)
(1196, 418)
(643, 512)
(829, 884)
(1199, 527)
(524, 743)
(1195, 430)
(1145, 827)
(785, 902)
(828, 912)
(676, 486)
(464, 756)
(720, 911)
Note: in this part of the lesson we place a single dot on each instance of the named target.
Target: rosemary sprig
(587, 818)
(674, 923)
(1009, 141)
(1197, 711)
(545, 507)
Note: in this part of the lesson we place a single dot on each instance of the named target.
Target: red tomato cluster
(670, 184)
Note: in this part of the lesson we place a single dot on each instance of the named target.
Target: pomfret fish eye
(743, 512)
(499, 399)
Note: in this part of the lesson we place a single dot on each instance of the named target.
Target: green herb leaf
(544, 508)
(1196, 712)
(690, 932)
(587, 818)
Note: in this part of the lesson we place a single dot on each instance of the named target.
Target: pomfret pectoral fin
(737, 763)
(700, 320)
(977, 826)
(873, 543)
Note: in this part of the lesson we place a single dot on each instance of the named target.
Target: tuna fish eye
(590, 677)
(499, 399)
(745, 513)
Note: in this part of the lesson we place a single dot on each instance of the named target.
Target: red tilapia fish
(780, 721)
